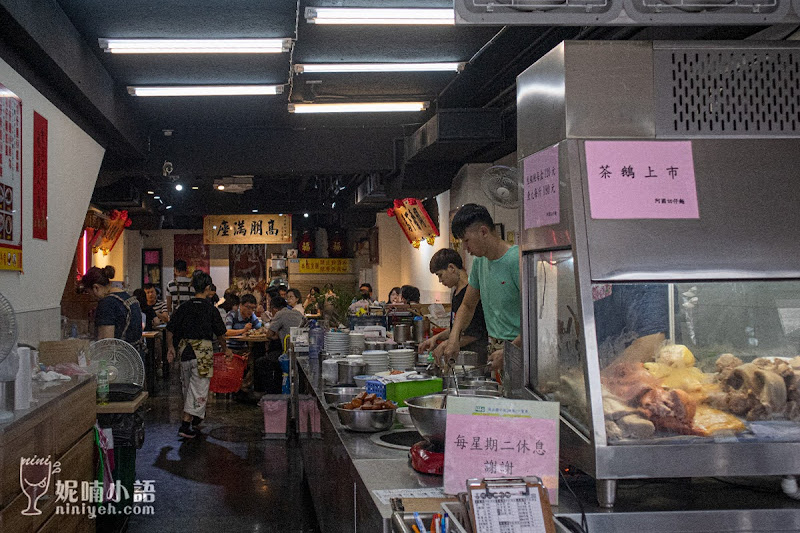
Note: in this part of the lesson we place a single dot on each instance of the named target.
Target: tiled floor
(227, 480)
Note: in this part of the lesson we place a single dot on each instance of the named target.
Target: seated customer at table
(409, 294)
(159, 306)
(230, 303)
(147, 311)
(240, 321)
(293, 298)
(283, 319)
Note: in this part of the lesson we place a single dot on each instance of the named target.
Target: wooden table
(127, 408)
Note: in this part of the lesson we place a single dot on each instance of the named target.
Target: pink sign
(500, 438)
(641, 179)
(540, 172)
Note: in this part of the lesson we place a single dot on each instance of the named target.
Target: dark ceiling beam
(42, 35)
(276, 152)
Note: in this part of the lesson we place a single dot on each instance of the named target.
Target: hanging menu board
(247, 229)
(10, 180)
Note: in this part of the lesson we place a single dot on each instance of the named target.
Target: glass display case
(670, 337)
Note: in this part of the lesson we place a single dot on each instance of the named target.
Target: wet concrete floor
(229, 479)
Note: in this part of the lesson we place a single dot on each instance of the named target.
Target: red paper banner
(39, 176)
(414, 220)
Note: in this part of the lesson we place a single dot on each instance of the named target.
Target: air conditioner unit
(372, 191)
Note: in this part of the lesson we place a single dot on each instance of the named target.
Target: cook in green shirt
(494, 281)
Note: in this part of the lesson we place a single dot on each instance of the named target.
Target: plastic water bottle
(315, 340)
(102, 384)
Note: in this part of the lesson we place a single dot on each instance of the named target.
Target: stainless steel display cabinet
(603, 295)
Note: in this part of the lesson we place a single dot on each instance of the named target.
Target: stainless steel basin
(429, 414)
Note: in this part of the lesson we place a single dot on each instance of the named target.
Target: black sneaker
(186, 431)
(196, 421)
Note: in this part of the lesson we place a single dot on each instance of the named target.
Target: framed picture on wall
(152, 260)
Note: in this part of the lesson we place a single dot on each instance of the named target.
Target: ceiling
(299, 163)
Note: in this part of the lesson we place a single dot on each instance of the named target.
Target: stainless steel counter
(692, 505)
(376, 467)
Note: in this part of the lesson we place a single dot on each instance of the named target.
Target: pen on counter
(420, 525)
(446, 522)
(433, 523)
(415, 528)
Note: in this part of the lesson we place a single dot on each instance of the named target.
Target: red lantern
(305, 247)
(336, 245)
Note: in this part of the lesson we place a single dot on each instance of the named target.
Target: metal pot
(337, 395)
(367, 421)
(330, 371)
(402, 333)
(349, 369)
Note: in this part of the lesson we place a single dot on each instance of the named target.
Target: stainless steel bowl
(348, 369)
(366, 421)
(337, 395)
(429, 414)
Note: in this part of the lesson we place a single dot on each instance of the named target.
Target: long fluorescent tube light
(195, 46)
(358, 107)
(377, 67)
(206, 90)
(354, 15)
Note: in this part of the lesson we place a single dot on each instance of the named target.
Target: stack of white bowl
(337, 342)
(402, 359)
(357, 342)
(376, 361)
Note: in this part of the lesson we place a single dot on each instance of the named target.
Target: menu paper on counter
(540, 175)
(516, 509)
(495, 437)
(641, 179)
(10, 180)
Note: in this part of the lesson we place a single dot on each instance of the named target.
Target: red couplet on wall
(39, 176)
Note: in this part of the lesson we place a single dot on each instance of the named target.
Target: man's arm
(463, 317)
(170, 347)
(105, 332)
(169, 303)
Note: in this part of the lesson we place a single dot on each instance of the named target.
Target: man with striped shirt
(179, 290)
(159, 306)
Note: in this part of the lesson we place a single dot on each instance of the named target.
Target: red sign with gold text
(414, 221)
(39, 176)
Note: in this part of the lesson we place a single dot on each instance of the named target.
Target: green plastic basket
(398, 392)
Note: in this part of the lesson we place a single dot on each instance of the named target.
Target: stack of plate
(376, 361)
(337, 342)
(402, 359)
(357, 342)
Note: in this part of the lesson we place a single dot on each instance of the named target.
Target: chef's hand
(496, 358)
(449, 352)
(170, 354)
(248, 326)
(426, 346)
(228, 354)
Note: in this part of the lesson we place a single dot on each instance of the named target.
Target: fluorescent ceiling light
(359, 107)
(195, 46)
(353, 15)
(378, 67)
(206, 90)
